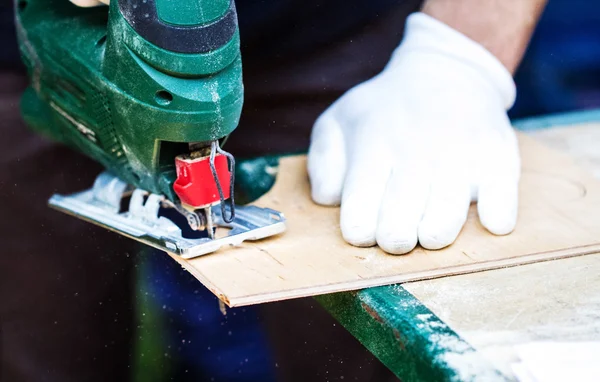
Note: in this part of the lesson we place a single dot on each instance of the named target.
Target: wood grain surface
(559, 217)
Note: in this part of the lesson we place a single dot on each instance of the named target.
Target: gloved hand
(407, 151)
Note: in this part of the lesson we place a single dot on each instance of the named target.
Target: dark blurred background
(79, 303)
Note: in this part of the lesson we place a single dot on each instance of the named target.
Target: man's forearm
(504, 27)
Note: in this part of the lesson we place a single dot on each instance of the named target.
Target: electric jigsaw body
(150, 89)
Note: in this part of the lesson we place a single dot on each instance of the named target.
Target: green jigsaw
(150, 89)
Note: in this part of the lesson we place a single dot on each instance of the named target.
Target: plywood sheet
(559, 216)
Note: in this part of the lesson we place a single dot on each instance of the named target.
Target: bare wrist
(502, 27)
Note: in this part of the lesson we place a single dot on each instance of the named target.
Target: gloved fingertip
(500, 223)
(433, 236)
(396, 244)
(326, 183)
(356, 229)
(326, 163)
(358, 236)
(440, 227)
(434, 242)
(498, 208)
(87, 3)
(326, 196)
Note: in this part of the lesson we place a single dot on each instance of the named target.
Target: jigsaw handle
(183, 26)
(185, 37)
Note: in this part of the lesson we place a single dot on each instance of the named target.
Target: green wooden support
(407, 337)
(558, 119)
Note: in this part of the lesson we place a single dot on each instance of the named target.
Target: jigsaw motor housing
(133, 85)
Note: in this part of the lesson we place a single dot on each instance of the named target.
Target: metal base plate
(100, 205)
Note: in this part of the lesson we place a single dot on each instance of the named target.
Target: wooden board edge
(397, 279)
(203, 279)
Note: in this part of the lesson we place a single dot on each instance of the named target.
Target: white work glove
(407, 151)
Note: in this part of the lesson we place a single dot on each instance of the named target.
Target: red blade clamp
(206, 181)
